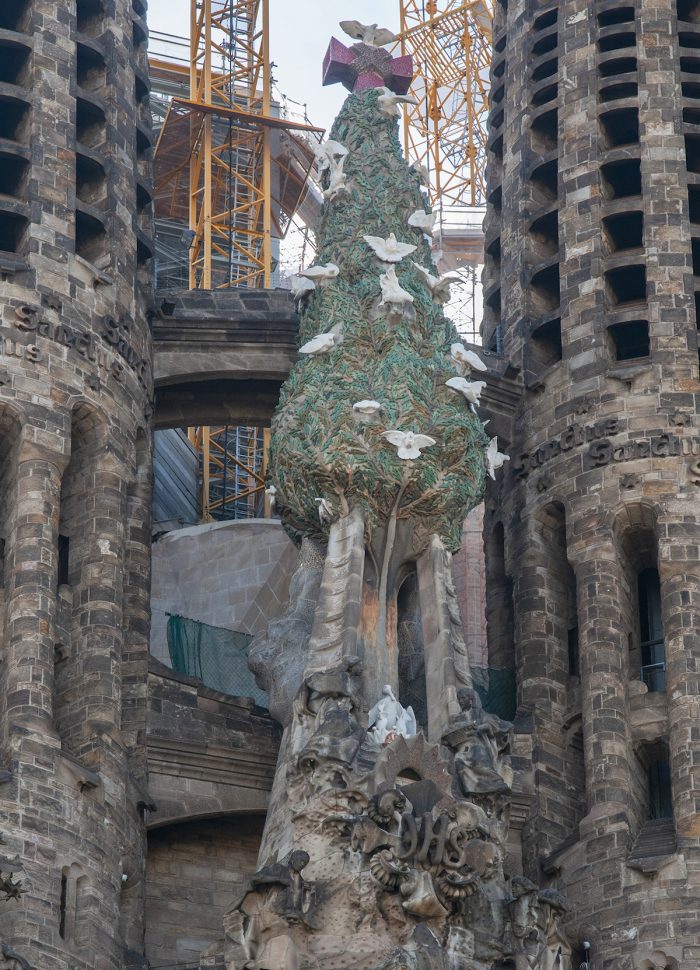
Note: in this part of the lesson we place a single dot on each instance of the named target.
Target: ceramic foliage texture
(398, 355)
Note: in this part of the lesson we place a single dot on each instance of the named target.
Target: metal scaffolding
(450, 42)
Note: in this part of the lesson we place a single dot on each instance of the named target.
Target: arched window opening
(409, 630)
(651, 630)
(660, 798)
(500, 625)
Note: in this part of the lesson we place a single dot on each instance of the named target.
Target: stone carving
(388, 718)
(327, 272)
(388, 102)
(8, 867)
(470, 390)
(495, 458)
(301, 287)
(320, 344)
(401, 842)
(11, 960)
(425, 221)
(368, 33)
(439, 286)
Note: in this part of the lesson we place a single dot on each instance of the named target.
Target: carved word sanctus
(574, 436)
(85, 344)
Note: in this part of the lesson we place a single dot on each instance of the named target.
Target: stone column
(680, 604)
(604, 676)
(31, 577)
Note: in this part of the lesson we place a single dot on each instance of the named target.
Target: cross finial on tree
(362, 66)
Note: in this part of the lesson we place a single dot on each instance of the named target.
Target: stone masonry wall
(592, 220)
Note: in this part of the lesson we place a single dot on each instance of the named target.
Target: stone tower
(75, 387)
(593, 251)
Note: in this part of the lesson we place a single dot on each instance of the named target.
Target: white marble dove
(271, 493)
(392, 291)
(408, 444)
(338, 180)
(370, 34)
(388, 102)
(328, 154)
(463, 356)
(389, 716)
(301, 287)
(327, 272)
(325, 510)
(439, 286)
(423, 220)
(366, 407)
(471, 390)
(320, 344)
(389, 250)
(495, 459)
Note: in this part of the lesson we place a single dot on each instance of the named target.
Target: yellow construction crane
(450, 42)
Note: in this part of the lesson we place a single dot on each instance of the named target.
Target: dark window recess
(545, 129)
(141, 89)
(545, 70)
(63, 569)
(62, 907)
(497, 147)
(143, 252)
(493, 302)
(544, 233)
(14, 63)
(497, 118)
(498, 69)
(545, 345)
(660, 795)
(691, 116)
(626, 284)
(695, 243)
(140, 36)
(622, 179)
(498, 94)
(2, 562)
(90, 124)
(13, 174)
(14, 14)
(143, 198)
(90, 237)
(90, 183)
(545, 44)
(572, 642)
(692, 153)
(494, 249)
(545, 181)
(500, 44)
(89, 17)
(545, 288)
(496, 199)
(691, 65)
(143, 143)
(620, 127)
(630, 340)
(615, 92)
(686, 39)
(14, 115)
(12, 231)
(91, 71)
(545, 20)
(616, 42)
(545, 94)
(689, 11)
(623, 231)
(690, 89)
(618, 15)
(494, 342)
(697, 310)
(651, 630)
(617, 65)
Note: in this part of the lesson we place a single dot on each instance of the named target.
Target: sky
(299, 34)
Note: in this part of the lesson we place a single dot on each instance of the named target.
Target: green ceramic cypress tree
(397, 355)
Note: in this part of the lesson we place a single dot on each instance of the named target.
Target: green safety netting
(217, 657)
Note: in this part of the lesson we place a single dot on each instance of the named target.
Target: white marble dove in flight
(370, 34)
(392, 291)
(495, 459)
(463, 356)
(408, 444)
(366, 407)
(328, 154)
(325, 510)
(320, 344)
(301, 287)
(423, 220)
(389, 250)
(470, 389)
(327, 272)
(389, 102)
(439, 286)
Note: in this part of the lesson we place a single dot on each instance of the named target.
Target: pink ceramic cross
(361, 67)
